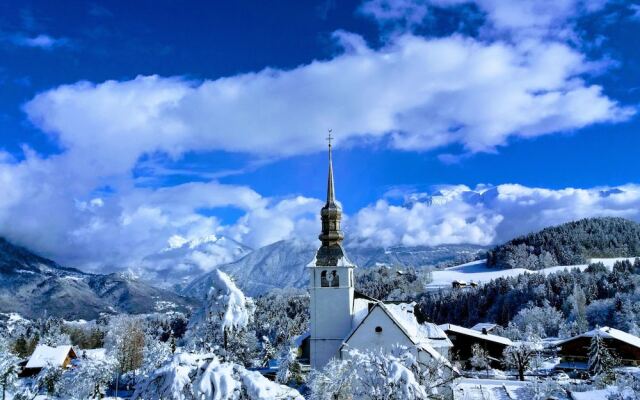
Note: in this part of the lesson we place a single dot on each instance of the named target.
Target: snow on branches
(204, 376)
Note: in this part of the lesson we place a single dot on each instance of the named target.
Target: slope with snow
(479, 272)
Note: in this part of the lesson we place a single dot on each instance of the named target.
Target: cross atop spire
(331, 192)
(331, 236)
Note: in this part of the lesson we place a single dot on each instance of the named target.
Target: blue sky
(125, 124)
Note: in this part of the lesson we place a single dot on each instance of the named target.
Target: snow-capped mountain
(282, 264)
(34, 286)
(183, 260)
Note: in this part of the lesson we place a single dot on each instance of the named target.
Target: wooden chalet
(463, 340)
(42, 356)
(574, 352)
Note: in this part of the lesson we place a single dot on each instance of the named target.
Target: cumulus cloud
(485, 215)
(83, 207)
(421, 93)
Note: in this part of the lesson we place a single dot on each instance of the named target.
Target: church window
(378, 329)
(335, 279)
(323, 279)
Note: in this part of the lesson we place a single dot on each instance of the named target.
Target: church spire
(331, 192)
(331, 236)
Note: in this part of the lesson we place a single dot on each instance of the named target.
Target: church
(343, 319)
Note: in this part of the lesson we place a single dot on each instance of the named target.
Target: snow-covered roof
(44, 355)
(483, 325)
(402, 315)
(608, 333)
(419, 333)
(470, 332)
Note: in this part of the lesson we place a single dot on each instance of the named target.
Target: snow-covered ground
(488, 389)
(478, 271)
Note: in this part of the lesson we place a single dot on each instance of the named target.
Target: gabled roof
(415, 336)
(607, 333)
(44, 355)
(470, 332)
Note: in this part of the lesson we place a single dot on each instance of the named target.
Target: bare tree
(519, 356)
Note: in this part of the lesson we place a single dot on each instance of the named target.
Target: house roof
(44, 355)
(470, 332)
(607, 333)
(483, 325)
(409, 326)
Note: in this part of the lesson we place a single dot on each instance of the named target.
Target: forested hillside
(566, 300)
(569, 244)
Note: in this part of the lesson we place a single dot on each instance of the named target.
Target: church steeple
(331, 214)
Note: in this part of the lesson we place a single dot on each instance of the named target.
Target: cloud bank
(84, 207)
(485, 215)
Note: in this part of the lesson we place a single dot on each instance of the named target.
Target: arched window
(335, 279)
(323, 279)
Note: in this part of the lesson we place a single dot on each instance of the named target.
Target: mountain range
(283, 264)
(35, 286)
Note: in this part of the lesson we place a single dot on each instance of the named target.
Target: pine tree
(601, 361)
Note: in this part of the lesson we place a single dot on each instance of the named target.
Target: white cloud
(41, 41)
(521, 18)
(425, 93)
(485, 215)
(84, 208)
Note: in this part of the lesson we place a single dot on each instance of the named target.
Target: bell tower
(330, 283)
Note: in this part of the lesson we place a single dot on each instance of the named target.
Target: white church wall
(377, 331)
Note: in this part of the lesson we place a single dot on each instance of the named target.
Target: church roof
(418, 334)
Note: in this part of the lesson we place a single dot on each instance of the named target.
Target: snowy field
(478, 271)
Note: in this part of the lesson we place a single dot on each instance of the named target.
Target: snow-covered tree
(384, 376)
(627, 387)
(55, 337)
(155, 353)
(124, 342)
(268, 351)
(334, 382)
(480, 359)
(578, 301)
(89, 379)
(173, 380)
(281, 315)
(8, 367)
(221, 325)
(46, 381)
(218, 381)
(542, 321)
(205, 377)
(601, 361)
(519, 356)
(290, 370)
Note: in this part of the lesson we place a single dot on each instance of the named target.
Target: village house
(43, 356)
(574, 352)
(463, 340)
